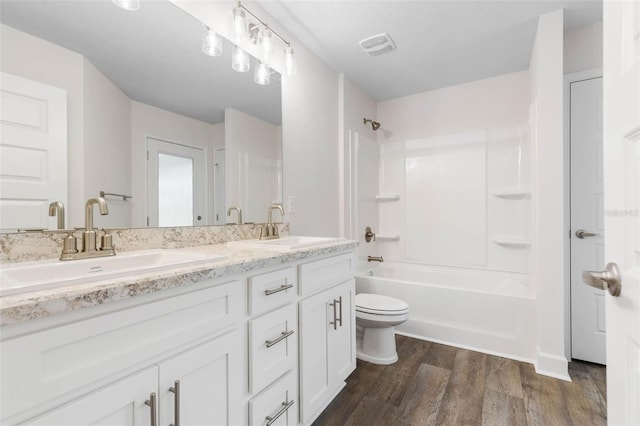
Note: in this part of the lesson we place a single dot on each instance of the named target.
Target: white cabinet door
(314, 354)
(327, 346)
(204, 384)
(121, 403)
(342, 340)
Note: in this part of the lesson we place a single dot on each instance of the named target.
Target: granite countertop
(44, 303)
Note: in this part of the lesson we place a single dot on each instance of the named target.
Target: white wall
(253, 166)
(546, 69)
(107, 127)
(310, 129)
(583, 48)
(149, 121)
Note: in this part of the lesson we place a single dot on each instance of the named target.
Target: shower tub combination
(486, 311)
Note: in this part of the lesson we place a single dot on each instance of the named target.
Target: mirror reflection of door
(176, 184)
(219, 183)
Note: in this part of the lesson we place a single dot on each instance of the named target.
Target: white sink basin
(286, 243)
(32, 276)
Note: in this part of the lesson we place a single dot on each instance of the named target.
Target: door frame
(145, 178)
(568, 79)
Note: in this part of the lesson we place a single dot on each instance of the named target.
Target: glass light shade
(240, 60)
(212, 43)
(262, 74)
(267, 43)
(239, 23)
(128, 4)
(289, 61)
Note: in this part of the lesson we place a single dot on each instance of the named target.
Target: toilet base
(377, 346)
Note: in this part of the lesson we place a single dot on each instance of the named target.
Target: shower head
(374, 124)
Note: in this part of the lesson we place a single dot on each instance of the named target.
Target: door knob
(608, 279)
(581, 233)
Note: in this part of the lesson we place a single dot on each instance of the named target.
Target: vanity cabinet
(95, 366)
(327, 332)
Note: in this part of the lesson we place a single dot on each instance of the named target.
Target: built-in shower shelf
(512, 242)
(388, 237)
(387, 197)
(513, 194)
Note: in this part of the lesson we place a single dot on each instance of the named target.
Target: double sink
(49, 274)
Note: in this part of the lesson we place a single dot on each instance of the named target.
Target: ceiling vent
(377, 44)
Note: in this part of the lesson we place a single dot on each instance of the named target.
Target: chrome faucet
(56, 208)
(270, 230)
(239, 210)
(89, 236)
(375, 259)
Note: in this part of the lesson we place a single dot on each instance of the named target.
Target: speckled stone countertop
(44, 303)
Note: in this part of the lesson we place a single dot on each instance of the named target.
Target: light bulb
(128, 4)
(290, 62)
(212, 43)
(267, 43)
(240, 60)
(262, 74)
(239, 23)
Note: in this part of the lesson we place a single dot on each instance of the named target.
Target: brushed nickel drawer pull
(335, 314)
(340, 319)
(285, 406)
(176, 403)
(151, 402)
(283, 336)
(283, 287)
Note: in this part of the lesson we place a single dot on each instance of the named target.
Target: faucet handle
(106, 241)
(70, 244)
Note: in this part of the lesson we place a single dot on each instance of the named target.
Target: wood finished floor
(434, 384)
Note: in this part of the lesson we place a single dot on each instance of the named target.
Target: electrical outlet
(292, 204)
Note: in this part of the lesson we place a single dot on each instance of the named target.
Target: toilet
(376, 316)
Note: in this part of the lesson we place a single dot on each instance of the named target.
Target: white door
(622, 193)
(176, 184)
(342, 344)
(204, 384)
(120, 403)
(33, 152)
(588, 338)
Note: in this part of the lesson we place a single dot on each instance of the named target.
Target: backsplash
(26, 247)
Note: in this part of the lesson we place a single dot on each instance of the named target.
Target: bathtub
(486, 311)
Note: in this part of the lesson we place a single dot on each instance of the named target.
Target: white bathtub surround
(486, 311)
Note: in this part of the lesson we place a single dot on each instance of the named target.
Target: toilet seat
(380, 305)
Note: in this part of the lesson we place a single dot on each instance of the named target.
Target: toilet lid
(374, 302)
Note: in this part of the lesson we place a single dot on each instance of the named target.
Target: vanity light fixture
(128, 4)
(260, 33)
(211, 43)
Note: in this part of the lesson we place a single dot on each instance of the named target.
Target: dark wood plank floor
(434, 384)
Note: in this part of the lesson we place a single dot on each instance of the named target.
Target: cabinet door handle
(283, 287)
(285, 406)
(340, 319)
(176, 403)
(335, 314)
(282, 336)
(151, 402)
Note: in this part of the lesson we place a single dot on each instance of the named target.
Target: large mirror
(176, 135)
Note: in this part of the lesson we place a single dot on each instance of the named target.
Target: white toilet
(376, 316)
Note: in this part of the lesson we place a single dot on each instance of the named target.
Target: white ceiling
(154, 55)
(439, 43)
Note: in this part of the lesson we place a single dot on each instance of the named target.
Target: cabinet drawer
(49, 363)
(273, 346)
(273, 289)
(321, 274)
(276, 405)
